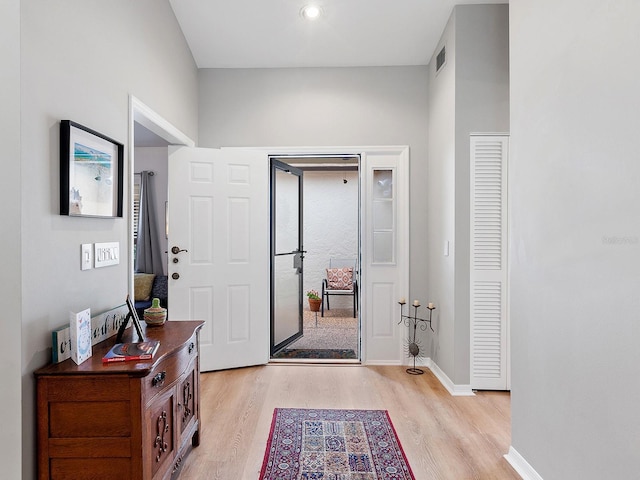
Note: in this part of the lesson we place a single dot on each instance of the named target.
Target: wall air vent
(441, 59)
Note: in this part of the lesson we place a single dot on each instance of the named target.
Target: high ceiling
(273, 33)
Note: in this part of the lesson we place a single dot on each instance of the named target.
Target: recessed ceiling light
(311, 12)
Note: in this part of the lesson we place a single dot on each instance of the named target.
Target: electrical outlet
(86, 257)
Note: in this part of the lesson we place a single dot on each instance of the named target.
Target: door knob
(176, 250)
(175, 276)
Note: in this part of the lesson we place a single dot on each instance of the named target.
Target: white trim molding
(148, 118)
(521, 466)
(154, 122)
(383, 363)
(453, 389)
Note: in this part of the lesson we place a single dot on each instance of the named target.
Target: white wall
(575, 229)
(469, 94)
(81, 61)
(10, 239)
(330, 226)
(157, 160)
(325, 107)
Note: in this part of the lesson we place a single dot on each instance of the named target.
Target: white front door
(219, 229)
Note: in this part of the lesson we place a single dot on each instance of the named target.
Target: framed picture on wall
(91, 172)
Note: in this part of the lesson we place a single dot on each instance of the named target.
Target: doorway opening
(150, 137)
(327, 208)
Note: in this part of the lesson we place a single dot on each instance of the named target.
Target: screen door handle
(297, 262)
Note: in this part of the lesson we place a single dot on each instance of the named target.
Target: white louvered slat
(486, 341)
(487, 202)
(488, 268)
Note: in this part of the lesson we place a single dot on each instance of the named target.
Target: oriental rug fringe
(322, 444)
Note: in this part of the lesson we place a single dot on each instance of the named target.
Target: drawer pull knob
(158, 379)
(191, 347)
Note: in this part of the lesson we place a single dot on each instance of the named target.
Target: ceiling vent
(441, 59)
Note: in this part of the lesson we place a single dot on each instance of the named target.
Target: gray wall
(10, 214)
(441, 200)
(575, 237)
(326, 107)
(80, 61)
(470, 94)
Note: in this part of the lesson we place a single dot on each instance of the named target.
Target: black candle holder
(412, 322)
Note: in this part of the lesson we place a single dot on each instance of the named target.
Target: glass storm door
(286, 255)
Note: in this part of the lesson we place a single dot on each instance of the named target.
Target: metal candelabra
(412, 322)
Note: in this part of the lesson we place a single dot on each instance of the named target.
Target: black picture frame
(91, 172)
(133, 315)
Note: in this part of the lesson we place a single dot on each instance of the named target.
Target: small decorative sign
(106, 254)
(80, 333)
(103, 326)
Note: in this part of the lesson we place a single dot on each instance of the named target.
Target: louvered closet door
(489, 262)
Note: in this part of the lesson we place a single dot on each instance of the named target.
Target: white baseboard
(393, 363)
(521, 466)
(452, 388)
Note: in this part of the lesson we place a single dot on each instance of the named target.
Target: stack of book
(124, 352)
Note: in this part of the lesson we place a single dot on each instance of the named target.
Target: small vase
(155, 315)
(314, 304)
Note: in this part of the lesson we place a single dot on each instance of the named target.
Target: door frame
(330, 158)
(154, 122)
(397, 337)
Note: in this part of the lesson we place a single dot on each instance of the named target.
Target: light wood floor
(444, 437)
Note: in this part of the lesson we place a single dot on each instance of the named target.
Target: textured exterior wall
(330, 225)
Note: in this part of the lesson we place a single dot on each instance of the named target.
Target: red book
(124, 352)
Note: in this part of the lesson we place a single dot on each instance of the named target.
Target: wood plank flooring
(444, 437)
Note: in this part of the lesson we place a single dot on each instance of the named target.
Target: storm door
(287, 255)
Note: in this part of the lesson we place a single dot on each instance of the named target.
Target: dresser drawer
(168, 371)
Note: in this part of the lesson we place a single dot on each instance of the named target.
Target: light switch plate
(107, 254)
(86, 256)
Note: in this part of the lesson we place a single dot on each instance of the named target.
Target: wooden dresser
(126, 420)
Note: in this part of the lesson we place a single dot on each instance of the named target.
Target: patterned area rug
(332, 354)
(333, 445)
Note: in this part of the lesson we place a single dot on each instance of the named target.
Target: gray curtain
(148, 255)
